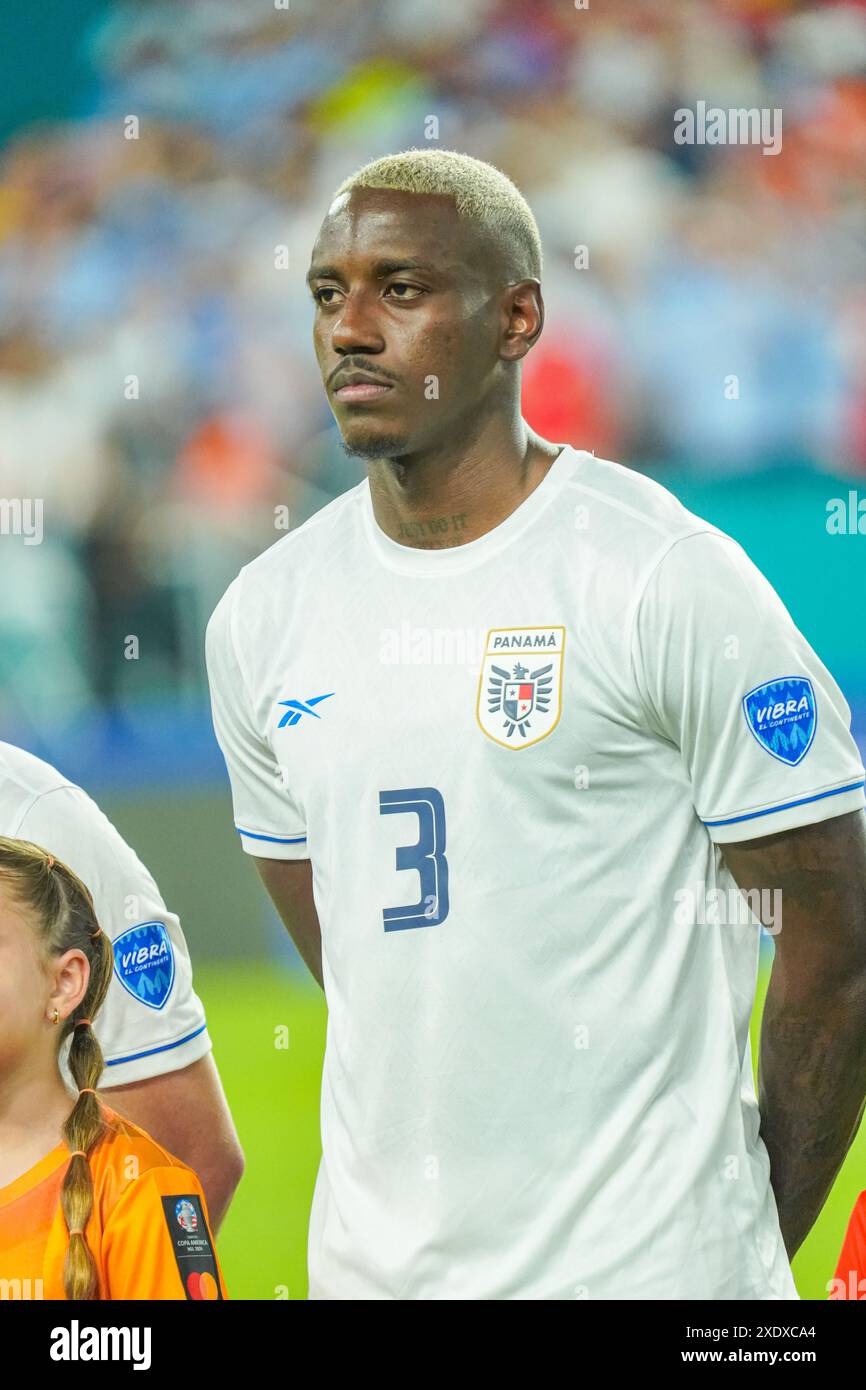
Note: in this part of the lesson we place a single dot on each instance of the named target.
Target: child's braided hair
(61, 910)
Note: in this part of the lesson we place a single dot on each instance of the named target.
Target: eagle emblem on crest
(517, 693)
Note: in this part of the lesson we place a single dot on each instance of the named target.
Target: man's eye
(325, 289)
(413, 290)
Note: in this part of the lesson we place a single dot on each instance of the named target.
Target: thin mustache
(345, 368)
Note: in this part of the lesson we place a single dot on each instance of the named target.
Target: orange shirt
(851, 1269)
(148, 1230)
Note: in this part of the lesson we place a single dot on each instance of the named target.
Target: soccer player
(90, 1205)
(159, 1069)
(506, 726)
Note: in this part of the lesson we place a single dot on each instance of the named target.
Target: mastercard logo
(202, 1286)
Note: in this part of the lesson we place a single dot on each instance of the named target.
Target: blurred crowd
(157, 384)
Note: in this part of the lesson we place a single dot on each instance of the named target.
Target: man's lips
(362, 391)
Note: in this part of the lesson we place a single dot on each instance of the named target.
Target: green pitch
(273, 1091)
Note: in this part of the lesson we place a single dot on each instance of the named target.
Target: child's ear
(68, 981)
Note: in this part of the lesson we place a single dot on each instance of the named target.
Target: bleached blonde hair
(483, 195)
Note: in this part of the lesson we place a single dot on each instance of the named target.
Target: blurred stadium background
(155, 259)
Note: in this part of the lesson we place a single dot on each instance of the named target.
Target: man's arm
(812, 1061)
(290, 885)
(186, 1112)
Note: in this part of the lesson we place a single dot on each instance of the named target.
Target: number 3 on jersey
(427, 855)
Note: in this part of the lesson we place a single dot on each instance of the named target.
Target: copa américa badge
(520, 686)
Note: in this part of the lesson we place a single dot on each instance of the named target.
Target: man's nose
(354, 328)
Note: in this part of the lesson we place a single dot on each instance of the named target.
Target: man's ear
(523, 319)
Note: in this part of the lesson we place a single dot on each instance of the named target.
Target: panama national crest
(783, 716)
(520, 687)
(144, 963)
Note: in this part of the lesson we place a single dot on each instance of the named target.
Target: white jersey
(152, 1021)
(511, 763)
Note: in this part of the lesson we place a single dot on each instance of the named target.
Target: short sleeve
(266, 817)
(152, 1021)
(157, 1242)
(723, 673)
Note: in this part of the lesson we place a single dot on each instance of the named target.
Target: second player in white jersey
(512, 763)
(152, 1021)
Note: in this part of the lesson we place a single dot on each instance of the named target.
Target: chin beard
(376, 446)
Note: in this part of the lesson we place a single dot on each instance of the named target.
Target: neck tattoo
(434, 532)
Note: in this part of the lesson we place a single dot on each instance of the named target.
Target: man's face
(407, 321)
